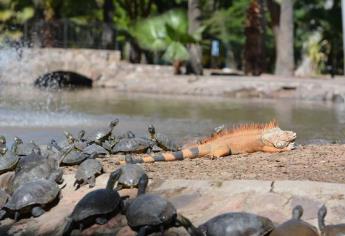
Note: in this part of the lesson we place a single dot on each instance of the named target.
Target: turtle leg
(101, 220)
(142, 185)
(2, 214)
(16, 216)
(143, 231)
(114, 176)
(118, 187)
(187, 224)
(81, 227)
(92, 181)
(37, 211)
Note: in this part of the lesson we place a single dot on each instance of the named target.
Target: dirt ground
(324, 163)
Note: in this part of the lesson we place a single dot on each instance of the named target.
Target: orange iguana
(245, 138)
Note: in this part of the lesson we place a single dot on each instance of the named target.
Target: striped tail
(188, 153)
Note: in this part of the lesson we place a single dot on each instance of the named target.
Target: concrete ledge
(200, 200)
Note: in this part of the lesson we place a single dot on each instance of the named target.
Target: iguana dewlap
(246, 138)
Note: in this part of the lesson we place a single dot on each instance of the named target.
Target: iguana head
(279, 139)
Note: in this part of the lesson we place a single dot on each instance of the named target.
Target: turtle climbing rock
(149, 213)
(131, 176)
(87, 173)
(295, 226)
(237, 223)
(95, 207)
(8, 160)
(163, 141)
(329, 230)
(103, 134)
(32, 198)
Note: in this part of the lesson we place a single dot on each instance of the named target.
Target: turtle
(23, 149)
(72, 156)
(87, 173)
(112, 141)
(35, 167)
(295, 226)
(149, 213)
(33, 197)
(95, 148)
(2, 141)
(8, 160)
(103, 134)
(133, 145)
(73, 142)
(329, 230)
(237, 223)
(163, 141)
(131, 176)
(95, 207)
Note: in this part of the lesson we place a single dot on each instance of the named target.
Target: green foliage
(167, 32)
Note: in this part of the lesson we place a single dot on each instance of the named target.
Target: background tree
(283, 25)
(194, 24)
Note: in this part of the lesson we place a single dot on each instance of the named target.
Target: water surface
(41, 115)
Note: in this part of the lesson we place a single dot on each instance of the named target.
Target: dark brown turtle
(33, 198)
(8, 160)
(237, 224)
(131, 176)
(87, 173)
(149, 213)
(329, 230)
(163, 141)
(295, 226)
(95, 207)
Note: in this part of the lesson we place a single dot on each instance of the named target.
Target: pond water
(41, 115)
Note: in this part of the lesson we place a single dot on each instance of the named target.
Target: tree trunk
(108, 32)
(253, 51)
(195, 51)
(284, 46)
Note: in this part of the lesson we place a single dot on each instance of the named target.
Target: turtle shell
(166, 143)
(150, 210)
(73, 157)
(37, 192)
(25, 149)
(135, 145)
(8, 162)
(88, 168)
(237, 223)
(95, 148)
(97, 202)
(130, 175)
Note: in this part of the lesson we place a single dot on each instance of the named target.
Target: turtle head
(3, 150)
(279, 139)
(18, 140)
(69, 137)
(114, 123)
(81, 134)
(2, 139)
(130, 134)
(297, 212)
(151, 129)
(36, 150)
(321, 217)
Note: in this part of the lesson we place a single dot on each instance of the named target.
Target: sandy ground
(323, 163)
